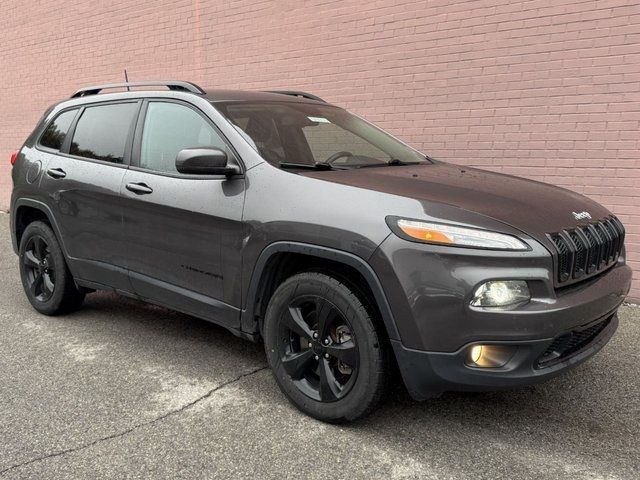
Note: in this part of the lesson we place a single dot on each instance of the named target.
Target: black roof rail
(295, 93)
(177, 85)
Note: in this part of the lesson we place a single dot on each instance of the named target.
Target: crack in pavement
(139, 425)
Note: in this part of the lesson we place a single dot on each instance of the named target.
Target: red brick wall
(545, 89)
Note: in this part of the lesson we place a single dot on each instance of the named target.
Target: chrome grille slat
(587, 249)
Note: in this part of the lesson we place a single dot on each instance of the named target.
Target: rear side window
(56, 131)
(171, 127)
(101, 132)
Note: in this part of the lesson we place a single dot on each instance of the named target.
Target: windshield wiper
(395, 161)
(307, 166)
(328, 166)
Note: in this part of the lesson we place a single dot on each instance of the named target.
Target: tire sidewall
(52, 305)
(364, 390)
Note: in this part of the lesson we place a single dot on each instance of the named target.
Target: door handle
(139, 188)
(56, 173)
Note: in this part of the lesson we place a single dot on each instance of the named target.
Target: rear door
(82, 182)
(182, 233)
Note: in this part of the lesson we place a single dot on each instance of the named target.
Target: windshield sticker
(318, 119)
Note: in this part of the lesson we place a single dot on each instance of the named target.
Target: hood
(533, 207)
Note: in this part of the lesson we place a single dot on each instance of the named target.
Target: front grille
(569, 344)
(588, 249)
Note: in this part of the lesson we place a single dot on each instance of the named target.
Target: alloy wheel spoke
(324, 311)
(39, 248)
(296, 364)
(36, 285)
(329, 388)
(345, 352)
(295, 321)
(47, 284)
(30, 259)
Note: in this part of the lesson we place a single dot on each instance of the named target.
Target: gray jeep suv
(287, 220)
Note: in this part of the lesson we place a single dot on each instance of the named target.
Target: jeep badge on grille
(582, 215)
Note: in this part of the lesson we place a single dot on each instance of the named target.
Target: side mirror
(204, 161)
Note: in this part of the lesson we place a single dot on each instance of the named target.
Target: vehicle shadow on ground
(186, 334)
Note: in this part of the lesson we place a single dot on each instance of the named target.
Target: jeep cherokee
(291, 221)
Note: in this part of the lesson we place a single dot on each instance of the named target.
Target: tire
(336, 377)
(46, 279)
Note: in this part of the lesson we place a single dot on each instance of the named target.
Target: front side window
(171, 127)
(101, 132)
(55, 133)
(307, 133)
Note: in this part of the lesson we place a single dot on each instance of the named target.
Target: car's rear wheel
(325, 348)
(45, 276)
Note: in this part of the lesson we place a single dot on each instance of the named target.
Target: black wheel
(45, 277)
(324, 348)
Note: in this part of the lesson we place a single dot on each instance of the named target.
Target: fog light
(475, 353)
(489, 356)
(501, 293)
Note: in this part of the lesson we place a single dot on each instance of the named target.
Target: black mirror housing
(204, 161)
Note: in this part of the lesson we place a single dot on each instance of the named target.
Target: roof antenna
(126, 79)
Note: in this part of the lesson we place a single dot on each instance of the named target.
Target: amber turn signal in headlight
(456, 236)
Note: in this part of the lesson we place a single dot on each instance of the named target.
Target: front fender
(248, 316)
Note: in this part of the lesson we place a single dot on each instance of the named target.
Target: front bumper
(432, 287)
(427, 374)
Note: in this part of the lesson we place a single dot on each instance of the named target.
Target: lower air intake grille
(570, 343)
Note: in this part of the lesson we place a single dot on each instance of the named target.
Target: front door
(182, 233)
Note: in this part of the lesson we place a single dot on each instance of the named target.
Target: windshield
(308, 134)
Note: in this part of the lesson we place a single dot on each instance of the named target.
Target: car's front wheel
(325, 348)
(46, 278)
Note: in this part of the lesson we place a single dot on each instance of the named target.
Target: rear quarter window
(55, 133)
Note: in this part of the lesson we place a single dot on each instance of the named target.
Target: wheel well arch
(281, 260)
(24, 215)
(27, 210)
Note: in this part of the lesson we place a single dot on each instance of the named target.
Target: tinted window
(54, 134)
(169, 128)
(102, 132)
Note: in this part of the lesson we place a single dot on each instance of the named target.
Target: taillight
(14, 157)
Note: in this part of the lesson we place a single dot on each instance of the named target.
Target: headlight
(501, 293)
(443, 234)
